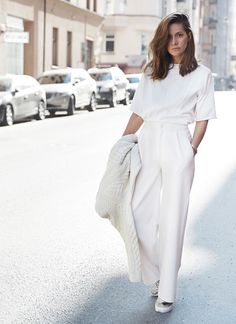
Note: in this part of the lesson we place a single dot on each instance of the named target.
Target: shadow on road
(212, 293)
(120, 301)
(206, 294)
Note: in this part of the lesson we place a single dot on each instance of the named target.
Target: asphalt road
(61, 263)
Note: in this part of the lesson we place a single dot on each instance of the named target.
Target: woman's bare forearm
(133, 125)
(199, 132)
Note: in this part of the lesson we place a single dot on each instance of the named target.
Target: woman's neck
(176, 60)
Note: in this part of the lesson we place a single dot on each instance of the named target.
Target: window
(5, 84)
(101, 76)
(55, 78)
(144, 44)
(83, 52)
(88, 4)
(108, 7)
(95, 5)
(89, 52)
(69, 48)
(122, 6)
(110, 43)
(14, 51)
(133, 79)
(55, 46)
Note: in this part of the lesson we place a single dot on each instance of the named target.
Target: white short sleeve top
(176, 99)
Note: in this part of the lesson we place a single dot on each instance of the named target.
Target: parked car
(224, 83)
(112, 85)
(134, 80)
(68, 89)
(21, 96)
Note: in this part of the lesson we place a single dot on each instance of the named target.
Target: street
(61, 263)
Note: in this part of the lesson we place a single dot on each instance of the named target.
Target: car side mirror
(15, 91)
(76, 82)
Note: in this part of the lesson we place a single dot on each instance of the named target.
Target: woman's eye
(180, 35)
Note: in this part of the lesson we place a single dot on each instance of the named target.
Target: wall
(2, 43)
(83, 24)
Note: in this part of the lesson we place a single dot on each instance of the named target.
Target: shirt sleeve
(205, 107)
(137, 104)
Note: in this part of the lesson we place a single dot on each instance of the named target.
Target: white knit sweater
(113, 200)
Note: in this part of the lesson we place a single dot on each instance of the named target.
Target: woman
(174, 91)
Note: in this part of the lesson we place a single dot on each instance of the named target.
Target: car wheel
(41, 111)
(52, 113)
(71, 107)
(9, 116)
(113, 102)
(126, 101)
(93, 104)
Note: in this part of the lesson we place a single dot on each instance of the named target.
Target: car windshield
(55, 78)
(5, 84)
(102, 76)
(133, 79)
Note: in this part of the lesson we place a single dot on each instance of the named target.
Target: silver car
(112, 85)
(134, 80)
(68, 89)
(21, 96)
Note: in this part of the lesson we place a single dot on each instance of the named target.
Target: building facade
(128, 29)
(45, 34)
(192, 9)
(217, 39)
(126, 32)
(232, 38)
(214, 27)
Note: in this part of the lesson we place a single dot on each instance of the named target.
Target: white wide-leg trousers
(160, 202)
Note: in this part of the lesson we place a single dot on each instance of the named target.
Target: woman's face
(178, 40)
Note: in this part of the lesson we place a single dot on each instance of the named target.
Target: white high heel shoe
(162, 306)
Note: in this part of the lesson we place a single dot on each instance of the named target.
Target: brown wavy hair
(160, 61)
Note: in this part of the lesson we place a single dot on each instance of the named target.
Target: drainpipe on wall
(44, 32)
(85, 42)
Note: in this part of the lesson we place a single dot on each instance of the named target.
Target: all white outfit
(161, 196)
